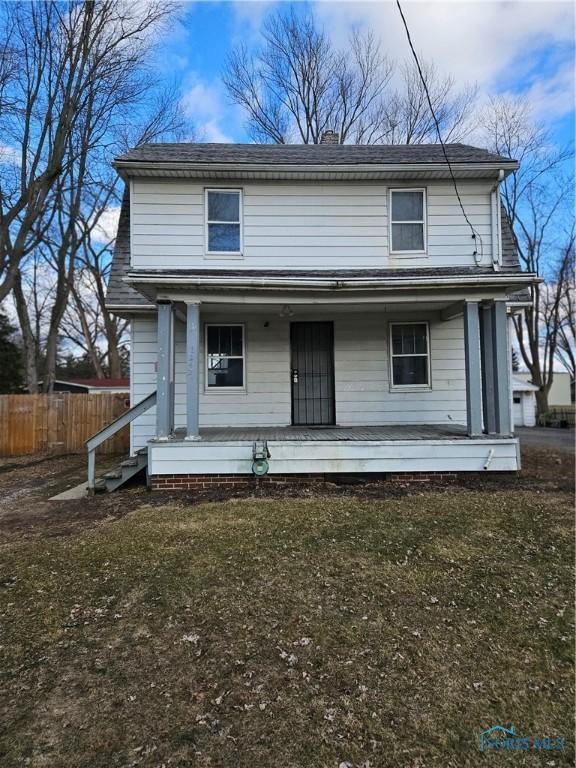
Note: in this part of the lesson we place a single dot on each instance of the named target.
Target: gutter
(383, 168)
(322, 284)
(495, 222)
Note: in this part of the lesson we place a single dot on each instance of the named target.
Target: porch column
(488, 374)
(192, 371)
(473, 368)
(164, 410)
(501, 368)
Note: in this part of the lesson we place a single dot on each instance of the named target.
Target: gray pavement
(547, 437)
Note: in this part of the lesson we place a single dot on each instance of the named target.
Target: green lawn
(292, 633)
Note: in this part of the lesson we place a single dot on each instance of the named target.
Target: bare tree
(535, 199)
(538, 328)
(103, 331)
(111, 98)
(405, 116)
(298, 84)
(63, 67)
(564, 278)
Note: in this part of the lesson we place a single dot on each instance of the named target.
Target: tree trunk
(542, 401)
(28, 338)
(114, 361)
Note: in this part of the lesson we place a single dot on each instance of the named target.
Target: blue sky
(523, 47)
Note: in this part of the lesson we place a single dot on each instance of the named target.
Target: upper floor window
(408, 220)
(223, 221)
(410, 354)
(224, 356)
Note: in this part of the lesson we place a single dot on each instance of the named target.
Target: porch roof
(448, 284)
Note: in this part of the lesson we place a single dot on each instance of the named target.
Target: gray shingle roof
(509, 250)
(309, 154)
(119, 293)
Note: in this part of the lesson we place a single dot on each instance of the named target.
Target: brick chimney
(330, 137)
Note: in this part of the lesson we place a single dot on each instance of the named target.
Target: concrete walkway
(77, 492)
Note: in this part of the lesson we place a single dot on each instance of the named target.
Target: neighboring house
(524, 402)
(92, 386)
(560, 394)
(316, 309)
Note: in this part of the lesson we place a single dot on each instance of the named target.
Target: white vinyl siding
(362, 381)
(143, 377)
(303, 226)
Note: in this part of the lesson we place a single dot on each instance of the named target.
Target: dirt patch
(26, 485)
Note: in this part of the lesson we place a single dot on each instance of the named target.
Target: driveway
(544, 437)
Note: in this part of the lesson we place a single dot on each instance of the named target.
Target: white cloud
(205, 104)
(474, 40)
(105, 230)
(498, 45)
(553, 97)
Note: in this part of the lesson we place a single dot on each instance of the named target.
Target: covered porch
(459, 420)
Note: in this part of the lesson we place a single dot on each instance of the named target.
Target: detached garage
(524, 403)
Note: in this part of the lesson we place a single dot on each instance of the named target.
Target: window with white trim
(410, 354)
(408, 220)
(223, 221)
(225, 358)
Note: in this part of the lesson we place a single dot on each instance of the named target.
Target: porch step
(125, 470)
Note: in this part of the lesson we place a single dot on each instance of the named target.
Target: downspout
(495, 223)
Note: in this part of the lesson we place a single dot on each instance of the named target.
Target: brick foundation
(196, 482)
(420, 477)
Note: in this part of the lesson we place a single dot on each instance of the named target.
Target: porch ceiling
(294, 310)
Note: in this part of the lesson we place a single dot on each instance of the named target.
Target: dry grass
(292, 633)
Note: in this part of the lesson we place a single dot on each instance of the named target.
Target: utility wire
(475, 234)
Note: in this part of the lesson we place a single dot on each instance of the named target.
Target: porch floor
(392, 432)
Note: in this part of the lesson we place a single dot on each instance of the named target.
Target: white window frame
(391, 356)
(224, 254)
(220, 390)
(423, 221)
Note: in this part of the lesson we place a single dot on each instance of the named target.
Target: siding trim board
(288, 457)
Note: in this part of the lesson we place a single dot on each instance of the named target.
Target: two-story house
(316, 309)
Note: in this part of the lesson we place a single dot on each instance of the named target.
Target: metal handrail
(108, 431)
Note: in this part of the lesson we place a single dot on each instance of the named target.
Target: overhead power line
(475, 235)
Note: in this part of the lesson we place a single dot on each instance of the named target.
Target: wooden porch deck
(319, 434)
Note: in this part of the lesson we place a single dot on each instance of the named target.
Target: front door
(312, 373)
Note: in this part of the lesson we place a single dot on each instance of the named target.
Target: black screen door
(312, 373)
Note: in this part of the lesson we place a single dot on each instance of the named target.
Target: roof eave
(130, 168)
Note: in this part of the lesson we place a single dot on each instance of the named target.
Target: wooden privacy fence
(59, 423)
